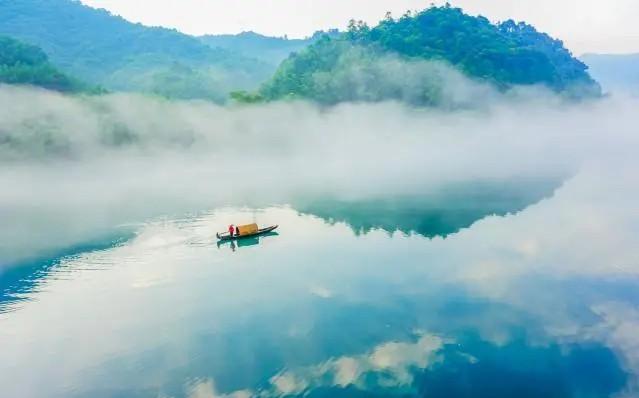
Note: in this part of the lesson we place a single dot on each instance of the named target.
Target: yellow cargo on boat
(247, 229)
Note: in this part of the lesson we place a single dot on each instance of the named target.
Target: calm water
(471, 293)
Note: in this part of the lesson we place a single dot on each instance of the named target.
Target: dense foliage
(106, 49)
(348, 67)
(22, 63)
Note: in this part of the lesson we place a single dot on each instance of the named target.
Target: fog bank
(75, 169)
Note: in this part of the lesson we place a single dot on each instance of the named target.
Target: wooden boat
(262, 231)
(250, 241)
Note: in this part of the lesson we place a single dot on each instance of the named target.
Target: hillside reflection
(538, 302)
(444, 211)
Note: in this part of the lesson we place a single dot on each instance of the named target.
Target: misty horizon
(424, 205)
(100, 144)
(574, 33)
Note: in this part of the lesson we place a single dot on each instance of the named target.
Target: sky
(584, 25)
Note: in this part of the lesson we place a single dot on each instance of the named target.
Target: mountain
(106, 49)
(26, 64)
(365, 64)
(615, 72)
(272, 50)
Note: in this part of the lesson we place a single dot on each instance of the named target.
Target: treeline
(26, 64)
(505, 55)
(413, 58)
(107, 50)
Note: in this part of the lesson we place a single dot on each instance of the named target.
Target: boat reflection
(244, 242)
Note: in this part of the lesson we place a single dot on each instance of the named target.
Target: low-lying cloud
(75, 168)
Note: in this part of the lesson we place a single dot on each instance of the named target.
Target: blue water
(493, 295)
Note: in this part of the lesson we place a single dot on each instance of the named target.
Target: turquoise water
(492, 293)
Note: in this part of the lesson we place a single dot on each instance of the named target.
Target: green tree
(25, 64)
(504, 55)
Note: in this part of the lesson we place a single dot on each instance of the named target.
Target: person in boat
(231, 230)
(237, 231)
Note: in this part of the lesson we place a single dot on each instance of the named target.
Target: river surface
(489, 294)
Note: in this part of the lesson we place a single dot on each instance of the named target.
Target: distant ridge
(106, 49)
(272, 50)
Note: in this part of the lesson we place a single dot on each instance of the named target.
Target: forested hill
(272, 50)
(26, 64)
(504, 54)
(106, 49)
